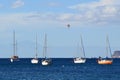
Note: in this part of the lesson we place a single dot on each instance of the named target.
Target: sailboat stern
(105, 61)
(79, 60)
(34, 61)
(14, 58)
(46, 62)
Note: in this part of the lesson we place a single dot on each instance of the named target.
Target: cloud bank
(102, 12)
(54, 4)
(17, 4)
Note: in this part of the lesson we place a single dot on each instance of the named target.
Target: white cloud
(17, 3)
(64, 17)
(53, 4)
(99, 12)
(102, 12)
(22, 20)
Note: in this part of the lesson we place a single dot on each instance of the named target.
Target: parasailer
(68, 25)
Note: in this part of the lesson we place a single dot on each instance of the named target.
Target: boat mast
(77, 49)
(14, 51)
(16, 48)
(36, 47)
(45, 46)
(83, 51)
(108, 47)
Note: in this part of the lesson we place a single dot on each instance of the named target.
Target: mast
(108, 47)
(77, 49)
(36, 47)
(83, 51)
(45, 46)
(14, 50)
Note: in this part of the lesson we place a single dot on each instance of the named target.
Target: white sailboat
(14, 57)
(45, 61)
(106, 60)
(80, 59)
(35, 60)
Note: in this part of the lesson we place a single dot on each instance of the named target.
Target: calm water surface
(60, 69)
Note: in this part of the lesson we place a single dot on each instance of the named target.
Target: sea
(60, 69)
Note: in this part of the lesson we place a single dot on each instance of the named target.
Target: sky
(93, 19)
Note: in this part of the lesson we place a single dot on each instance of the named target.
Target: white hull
(45, 63)
(34, 61)
(79, 60)
(12, 60)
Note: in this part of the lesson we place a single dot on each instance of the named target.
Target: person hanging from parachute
(68, 25)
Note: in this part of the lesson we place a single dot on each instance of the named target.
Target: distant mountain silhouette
(116, 54)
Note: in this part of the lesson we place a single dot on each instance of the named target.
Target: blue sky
(93, 19)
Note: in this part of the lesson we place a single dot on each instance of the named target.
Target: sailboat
(35, 60)
(45, 61)
(106, 60)
(14, 57)
(80, 59)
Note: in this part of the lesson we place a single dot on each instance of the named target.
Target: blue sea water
(60, 69)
